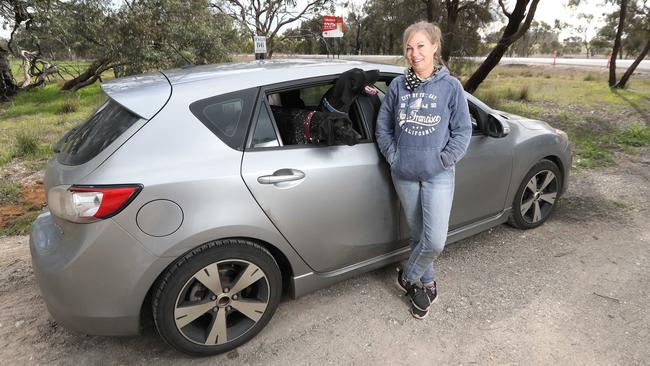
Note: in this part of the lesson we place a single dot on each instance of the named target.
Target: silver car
(178, 195)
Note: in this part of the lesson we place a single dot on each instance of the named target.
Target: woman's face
(419, 54)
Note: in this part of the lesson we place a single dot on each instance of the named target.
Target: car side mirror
(496, 127)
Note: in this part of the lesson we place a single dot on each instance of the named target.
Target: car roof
(258, 72)
(145, 94)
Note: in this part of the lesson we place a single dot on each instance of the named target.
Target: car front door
(334, 204)
(482, 178)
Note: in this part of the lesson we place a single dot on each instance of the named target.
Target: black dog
(330, 124)
(348, 87)
(300, 126)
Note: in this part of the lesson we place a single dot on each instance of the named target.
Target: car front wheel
(536, 196)
(217, 297)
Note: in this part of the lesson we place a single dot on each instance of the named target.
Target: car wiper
(63, 140)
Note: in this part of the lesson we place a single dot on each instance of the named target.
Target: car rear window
(86, 141)
(227, 115)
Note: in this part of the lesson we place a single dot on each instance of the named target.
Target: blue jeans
(427, 205)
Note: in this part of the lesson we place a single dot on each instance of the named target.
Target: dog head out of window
(349, 86)
(336, 128)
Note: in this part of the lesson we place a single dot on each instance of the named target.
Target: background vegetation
(58, 50)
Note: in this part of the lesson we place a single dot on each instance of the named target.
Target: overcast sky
(547, 10)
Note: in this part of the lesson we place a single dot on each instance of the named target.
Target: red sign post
(332, 26)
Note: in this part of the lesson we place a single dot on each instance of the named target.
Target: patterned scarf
(413, 81)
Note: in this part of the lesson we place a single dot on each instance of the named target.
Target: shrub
(524, 93)
(9, 191)
(26, 144)
(635, 135)
(70, 105)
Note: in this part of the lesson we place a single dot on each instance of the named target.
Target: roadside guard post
(333, 28)
(260, 47)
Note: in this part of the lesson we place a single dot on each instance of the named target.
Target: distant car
(178, 195)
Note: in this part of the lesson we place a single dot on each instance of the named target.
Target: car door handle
(282, 175)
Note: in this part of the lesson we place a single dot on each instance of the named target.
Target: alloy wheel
(221, 302)
(539, 196)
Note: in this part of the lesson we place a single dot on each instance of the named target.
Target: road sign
(332, 26)
(260, 44)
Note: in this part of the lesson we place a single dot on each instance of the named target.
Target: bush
(26, 144)
(635, 135)
(524, 93)
(9, 192)
(70, 105)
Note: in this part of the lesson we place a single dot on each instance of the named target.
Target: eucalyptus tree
(519, 20)
(268, 17)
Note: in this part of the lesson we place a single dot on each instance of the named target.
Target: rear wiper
(63, 140)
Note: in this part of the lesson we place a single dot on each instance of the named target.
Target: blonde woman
(423, 129)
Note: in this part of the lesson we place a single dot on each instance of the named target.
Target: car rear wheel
(536, 196)
(217, 297)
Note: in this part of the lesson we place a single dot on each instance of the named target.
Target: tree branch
(503, 8)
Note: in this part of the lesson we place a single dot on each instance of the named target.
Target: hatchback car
(178, 195)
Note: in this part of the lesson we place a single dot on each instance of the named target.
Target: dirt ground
(573, 291)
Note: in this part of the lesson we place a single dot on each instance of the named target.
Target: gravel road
(573, 291)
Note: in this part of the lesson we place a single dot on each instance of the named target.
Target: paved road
(593, 62)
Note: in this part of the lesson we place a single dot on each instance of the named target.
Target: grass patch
(9, 192)
(590, 77)
(70, 105)
(21, 225)
(34, 121)
(635, 135)
(26, 144)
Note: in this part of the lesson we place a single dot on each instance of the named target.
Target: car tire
(200, 314)
(535, 199)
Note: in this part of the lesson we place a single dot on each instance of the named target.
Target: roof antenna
(189, 62)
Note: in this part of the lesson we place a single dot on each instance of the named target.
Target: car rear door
(334, 204)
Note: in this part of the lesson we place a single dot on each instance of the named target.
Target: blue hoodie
(426, 131)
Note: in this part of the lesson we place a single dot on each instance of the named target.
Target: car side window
(227, 115)
(264, 135)
(290, 107)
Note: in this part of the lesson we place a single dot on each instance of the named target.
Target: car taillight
(84, 204)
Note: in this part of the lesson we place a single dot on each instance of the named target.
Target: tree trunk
(617, 44)
(88, 77)
(433, 11)
(8, 87)
(450, 39)
(621, 84)
(514, 30)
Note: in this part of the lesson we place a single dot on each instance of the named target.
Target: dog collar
(329, 107)
(307, 127)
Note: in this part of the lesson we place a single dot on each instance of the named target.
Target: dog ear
(371, 76)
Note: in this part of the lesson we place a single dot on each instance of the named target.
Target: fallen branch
(607, 297)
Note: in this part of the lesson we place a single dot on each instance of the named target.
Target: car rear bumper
(93, 277)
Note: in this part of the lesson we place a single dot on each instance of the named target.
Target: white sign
(260, 44)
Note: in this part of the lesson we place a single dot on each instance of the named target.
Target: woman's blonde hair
(433, 34)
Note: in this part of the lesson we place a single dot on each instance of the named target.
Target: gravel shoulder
(573, 291)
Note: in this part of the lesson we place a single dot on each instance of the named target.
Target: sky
(547, 10)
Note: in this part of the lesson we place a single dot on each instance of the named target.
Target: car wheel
(535, 198)
(217, 297)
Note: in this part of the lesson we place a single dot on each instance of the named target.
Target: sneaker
(400, 280)
(432, 292)
(419, 300)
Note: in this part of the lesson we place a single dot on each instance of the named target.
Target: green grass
(21, 226)
(599, 121)
(34, 120)
(9, 192)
